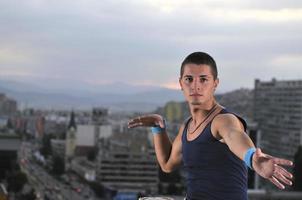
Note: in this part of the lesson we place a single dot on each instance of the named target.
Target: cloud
(144, 42)
(287, 60)
(260, 15)
(10, 56)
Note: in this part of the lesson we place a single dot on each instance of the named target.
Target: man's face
(198, 84)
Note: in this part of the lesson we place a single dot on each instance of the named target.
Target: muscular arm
(168, 154)
(228, 128)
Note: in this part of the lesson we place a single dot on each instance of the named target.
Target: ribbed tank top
(213, 172)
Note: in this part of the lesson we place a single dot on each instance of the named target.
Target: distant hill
(117, 96)
(239, 101)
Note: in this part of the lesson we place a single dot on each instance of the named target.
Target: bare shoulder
(181, 130)
(225, 121)
(178, 140)
(226, 118)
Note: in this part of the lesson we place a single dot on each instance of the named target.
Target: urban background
(91, 154)
(72, 73)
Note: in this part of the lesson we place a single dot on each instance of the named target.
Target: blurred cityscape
(91, 154)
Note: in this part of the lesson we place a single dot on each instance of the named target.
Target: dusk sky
(142, 42)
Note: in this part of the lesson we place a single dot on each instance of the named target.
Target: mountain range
(116, 96)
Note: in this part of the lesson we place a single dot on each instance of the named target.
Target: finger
(137, 119)
(282, 178)
(151, 120)
(133, 125)
(136, 124)
(281, 161)
(284, 172)
(147, 120)
(276, 182)
(278, 161)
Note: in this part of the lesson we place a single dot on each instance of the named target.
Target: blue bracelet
(157, 129)
(249, 156)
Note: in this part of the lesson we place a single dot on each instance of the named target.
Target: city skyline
(83, 44)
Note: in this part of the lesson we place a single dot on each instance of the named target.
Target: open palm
(269, 167)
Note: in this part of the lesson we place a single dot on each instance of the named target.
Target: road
(49, 187)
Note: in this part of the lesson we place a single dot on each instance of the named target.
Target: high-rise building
(99, 115)
(58, 147)
(71, 137)
(9, 146)
(40, 126)
(122, 169)
(278, 112)
(7, 106)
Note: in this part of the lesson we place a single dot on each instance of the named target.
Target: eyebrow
(202, 76)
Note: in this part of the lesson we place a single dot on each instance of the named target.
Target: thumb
(162, 123)
(258, 153)
(159, 120)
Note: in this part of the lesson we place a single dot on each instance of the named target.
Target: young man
(212, 143)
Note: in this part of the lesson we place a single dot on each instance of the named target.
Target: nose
(196, 85)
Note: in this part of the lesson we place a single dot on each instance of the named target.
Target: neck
(200, 112)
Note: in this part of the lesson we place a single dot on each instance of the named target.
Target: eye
(202, 79)
(188, 79)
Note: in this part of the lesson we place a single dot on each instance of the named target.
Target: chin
(196, 103)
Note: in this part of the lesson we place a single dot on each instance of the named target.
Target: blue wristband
(248, 157)
(157, 129)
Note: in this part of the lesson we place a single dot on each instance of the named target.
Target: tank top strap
(186, 122)
(226, 111)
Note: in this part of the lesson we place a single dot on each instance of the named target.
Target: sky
(85, 43)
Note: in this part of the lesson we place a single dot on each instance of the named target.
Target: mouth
(195, 95)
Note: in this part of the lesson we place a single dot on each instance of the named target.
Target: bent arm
(168, 154)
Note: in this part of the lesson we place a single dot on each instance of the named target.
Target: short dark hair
(200, 58)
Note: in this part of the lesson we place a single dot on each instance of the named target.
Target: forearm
(168, 154)
(163, 147)
(238, 142)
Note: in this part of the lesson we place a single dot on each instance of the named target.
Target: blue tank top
(213, 172)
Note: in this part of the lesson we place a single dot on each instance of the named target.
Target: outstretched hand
(147, 121)
(269, 167)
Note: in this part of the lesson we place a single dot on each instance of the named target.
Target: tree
(46, 145)
(58, 165)
(29, 196)
(173, 111)
(16, 181)
(92, 154)
(9, 124)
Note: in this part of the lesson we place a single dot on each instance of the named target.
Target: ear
(216, 83)
(180, 83)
